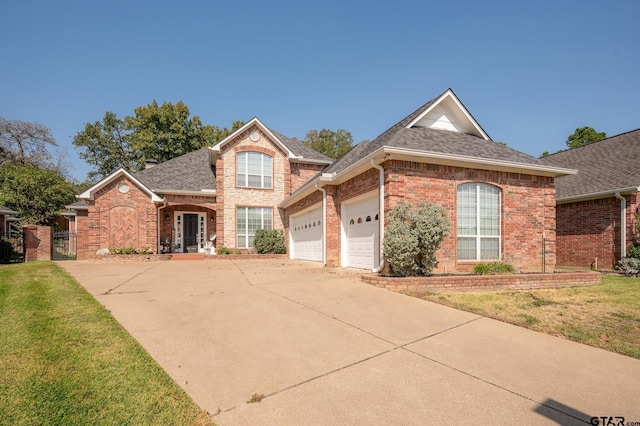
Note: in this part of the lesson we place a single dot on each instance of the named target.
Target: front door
(190, 233)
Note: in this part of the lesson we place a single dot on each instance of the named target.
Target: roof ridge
(591, 143)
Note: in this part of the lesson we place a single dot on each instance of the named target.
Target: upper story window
(254, 170)
(478, 222)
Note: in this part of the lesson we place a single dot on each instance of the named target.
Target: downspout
(324, 224)
(381, 217)
(623, 224)
(159, 215)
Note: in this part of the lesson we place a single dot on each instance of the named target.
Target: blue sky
(529, 72)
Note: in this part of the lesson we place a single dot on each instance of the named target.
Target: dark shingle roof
(299, 149)
(433, 140)
(607, 165)
(189, 172)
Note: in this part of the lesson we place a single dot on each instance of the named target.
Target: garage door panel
(362, 233)
(306, 233)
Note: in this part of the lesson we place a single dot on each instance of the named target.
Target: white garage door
(306, 236)
(362, 233)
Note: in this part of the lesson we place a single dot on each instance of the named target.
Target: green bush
(223, 250)
(269, 241)
(493, 268)
(130, 250)
(634, 251)
(412, 237)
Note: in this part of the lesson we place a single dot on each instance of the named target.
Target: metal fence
(64, 245)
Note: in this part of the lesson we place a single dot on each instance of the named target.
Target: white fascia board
(310, 161)
(596, 195)
(255, 120)
(90, 193)
(449, 94)
(201, 192)
(482, 163)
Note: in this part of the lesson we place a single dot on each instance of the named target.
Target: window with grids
(478, 220)
(248, 219)
(254, 169)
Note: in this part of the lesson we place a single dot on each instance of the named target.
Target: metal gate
(64, 245)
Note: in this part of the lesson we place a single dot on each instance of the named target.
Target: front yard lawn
(65, 360)
(606, 316)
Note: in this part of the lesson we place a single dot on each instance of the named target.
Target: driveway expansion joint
(109, 292)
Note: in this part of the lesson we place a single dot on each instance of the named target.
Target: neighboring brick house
(499, 200)
(6, 220)
(227, 190)
(596, 208)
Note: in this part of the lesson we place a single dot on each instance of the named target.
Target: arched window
(254, 170)
(478, 222)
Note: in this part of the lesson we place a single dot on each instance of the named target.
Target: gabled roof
(6, 211)
(604, 168)
(441, 131)
(303, 153)
(190, 172)
(89, 194)
(294, 150)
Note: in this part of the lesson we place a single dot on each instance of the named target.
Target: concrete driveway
(322, 347)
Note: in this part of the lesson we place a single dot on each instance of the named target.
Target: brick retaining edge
(161, 257)
(484, 282)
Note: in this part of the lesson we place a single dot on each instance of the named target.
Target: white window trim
(246, 168)
(246, 219)
(479, 237)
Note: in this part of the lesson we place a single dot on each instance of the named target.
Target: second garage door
(362, 234)
(306, 236)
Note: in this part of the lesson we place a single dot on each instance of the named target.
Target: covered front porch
(187, 228)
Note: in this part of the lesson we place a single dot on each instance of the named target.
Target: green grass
(66, 361)
(606, 316)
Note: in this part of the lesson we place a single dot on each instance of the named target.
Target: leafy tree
(38, 195)
(544, 154)
(331, 143)
(583, 136)
(154, 132)
(106, 144)
(412, 237)
(22, 142)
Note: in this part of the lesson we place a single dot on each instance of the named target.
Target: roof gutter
(381, 217)
(595, 195)
(623, 224)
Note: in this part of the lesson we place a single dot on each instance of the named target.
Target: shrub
(224, 250)
(412, 237)
(269, 241)
(630, 265)
(130, 250)
(634, 251)
(493, 268)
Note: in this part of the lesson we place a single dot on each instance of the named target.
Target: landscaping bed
(439, 283)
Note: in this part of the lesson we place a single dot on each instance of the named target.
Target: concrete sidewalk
(322, 347)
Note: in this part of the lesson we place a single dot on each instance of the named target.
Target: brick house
(226, 191)
(6, 221)
(596, 208)
(500, 201)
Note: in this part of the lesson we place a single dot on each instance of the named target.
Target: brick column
(333, 239)
(37, 242)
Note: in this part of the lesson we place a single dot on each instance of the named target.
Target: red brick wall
(301, 174)
(118, 220)
(591, 229)
(528, 209)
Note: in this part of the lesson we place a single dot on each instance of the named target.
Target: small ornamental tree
(412, 237)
